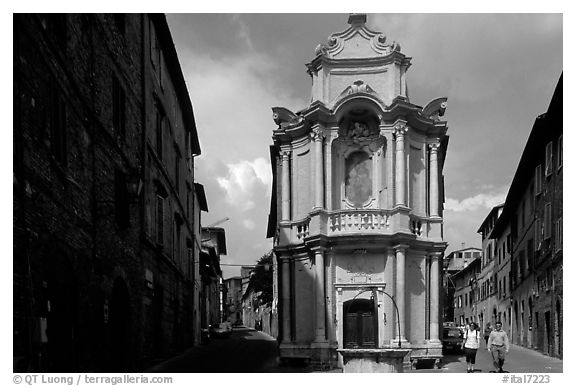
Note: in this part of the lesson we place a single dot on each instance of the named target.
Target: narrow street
(249, 351)
(518, 360)
(244, 351)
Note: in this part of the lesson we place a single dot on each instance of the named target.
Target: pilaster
(400, 130)
(434, 179)
(285, 154)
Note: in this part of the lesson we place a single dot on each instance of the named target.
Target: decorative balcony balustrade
(416, 226)
(420, 226)
(302, 228)
(358, 220)
(362, 222)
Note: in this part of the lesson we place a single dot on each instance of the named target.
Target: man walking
(498, 345)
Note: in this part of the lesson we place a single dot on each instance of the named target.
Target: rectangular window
(538, 233)
(558, 235)
(560, 154)
(547, 220)
(549, 158)
(159, 134)
(122, 206)
(188, 150)
(188, 195)
(530, 253)
(538, 180)
(118, 108)
(58, 127)
(176, 239)
(159, 219)
(153, 46)
(177, 158)
(190, 264)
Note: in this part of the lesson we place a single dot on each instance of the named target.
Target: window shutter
(547, 220)
(159, 219)
(548, 159)
(560, 153)
(538, 180)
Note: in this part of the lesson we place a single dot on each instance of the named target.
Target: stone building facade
(452, 264)
(357, 206)
(486, 283)
(529, 239)
(233, 296)
(106, 212)
(465, 298)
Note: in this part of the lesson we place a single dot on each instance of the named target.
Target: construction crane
(218, 222)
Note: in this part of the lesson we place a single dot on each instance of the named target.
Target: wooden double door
(360, 324)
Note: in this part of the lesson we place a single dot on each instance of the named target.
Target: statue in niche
(358, 179)
(358, 130)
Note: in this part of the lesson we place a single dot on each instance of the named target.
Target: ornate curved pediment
(357, 41)
(358, 88)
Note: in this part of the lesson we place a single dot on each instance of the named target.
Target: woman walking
(471, 344)
(487, 332)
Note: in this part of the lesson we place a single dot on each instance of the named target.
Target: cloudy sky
(497, 70)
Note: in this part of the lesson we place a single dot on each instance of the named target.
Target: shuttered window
(548, 159)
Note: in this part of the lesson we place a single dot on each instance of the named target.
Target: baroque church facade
(356, 210)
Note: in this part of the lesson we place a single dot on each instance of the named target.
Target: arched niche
(358, 161)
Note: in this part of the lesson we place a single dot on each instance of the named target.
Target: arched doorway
(119, 327)
(360, 329)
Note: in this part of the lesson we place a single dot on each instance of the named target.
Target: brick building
(529, 239)
(106, 212)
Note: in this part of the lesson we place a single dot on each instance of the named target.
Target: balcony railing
(302, 228)
(345, 221)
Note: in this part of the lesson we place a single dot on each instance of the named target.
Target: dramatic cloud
(497, 70)
(479, 201)
(463, 217)
(242, 181)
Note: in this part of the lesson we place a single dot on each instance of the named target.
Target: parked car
(221, 330)
(452, 338)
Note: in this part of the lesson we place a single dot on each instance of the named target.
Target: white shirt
(472, 339)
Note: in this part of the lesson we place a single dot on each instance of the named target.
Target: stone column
(400, 131)
(377, 177)
(286, 317)
(401, 287)
(328, 164)
(318, 136)
(434, 179)
(434, 298)
(285, 185)
(320, 297)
